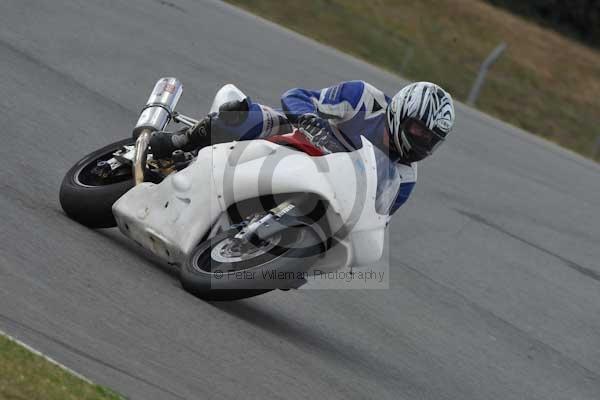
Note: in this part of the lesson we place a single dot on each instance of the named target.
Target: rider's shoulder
(362, 90)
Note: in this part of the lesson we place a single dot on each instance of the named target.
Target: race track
(495, 259)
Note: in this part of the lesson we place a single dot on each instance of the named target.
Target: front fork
(276, 220)
(284, 216)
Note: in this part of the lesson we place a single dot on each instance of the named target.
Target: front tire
(211, 273)
(87, 199)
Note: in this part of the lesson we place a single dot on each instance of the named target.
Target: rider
(407, 127)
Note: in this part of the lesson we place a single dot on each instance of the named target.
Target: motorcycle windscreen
(388, 182)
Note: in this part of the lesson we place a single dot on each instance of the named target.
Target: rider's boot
(163, 144)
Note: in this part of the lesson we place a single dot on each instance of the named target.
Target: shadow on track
(340, 350)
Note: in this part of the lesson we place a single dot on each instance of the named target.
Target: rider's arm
(335, 102)
(296, 102)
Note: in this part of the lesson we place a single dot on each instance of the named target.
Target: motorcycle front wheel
(223, 269)
(86, 197)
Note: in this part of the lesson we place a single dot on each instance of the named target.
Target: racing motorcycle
(241, 218)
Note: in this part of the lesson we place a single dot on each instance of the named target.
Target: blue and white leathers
(355, 108)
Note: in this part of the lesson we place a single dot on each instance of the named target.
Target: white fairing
(172, 217)
(226, 94)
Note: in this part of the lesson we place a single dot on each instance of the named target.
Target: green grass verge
(27, 376)
(544, 83)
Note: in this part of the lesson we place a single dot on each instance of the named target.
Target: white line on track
(47, 358)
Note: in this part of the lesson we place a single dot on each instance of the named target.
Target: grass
(544, 82)
(27, 376)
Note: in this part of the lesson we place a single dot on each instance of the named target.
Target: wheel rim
(233, 250)
(84, 176)
(212, 259)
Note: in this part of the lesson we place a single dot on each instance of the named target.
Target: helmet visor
(420, 137)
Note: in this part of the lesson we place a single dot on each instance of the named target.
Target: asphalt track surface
(495, 284)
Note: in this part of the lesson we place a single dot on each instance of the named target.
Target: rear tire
(90, 202)
(208, 275)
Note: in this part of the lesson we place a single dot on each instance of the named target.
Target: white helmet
(419, 118)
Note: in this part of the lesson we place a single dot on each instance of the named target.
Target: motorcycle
(240, 218)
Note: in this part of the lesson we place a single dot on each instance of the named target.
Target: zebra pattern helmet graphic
(426, 104)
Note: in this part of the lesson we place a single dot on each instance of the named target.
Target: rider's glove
(163, 144)
(313, 125)
(319, 132)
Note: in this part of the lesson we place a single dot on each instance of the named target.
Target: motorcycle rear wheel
(88, 199)
(212, 273)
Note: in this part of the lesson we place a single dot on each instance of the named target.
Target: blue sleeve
(331, 102)
(349, 92)
(403, 194)
(296, 102)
